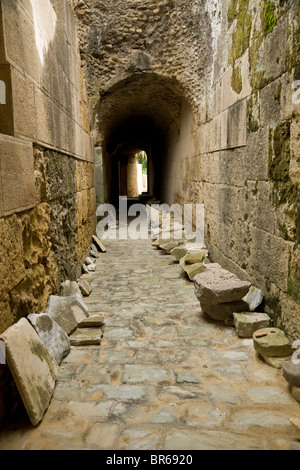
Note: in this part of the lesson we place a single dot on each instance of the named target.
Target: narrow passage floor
(164, 377)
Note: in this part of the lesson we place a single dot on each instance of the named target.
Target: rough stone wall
(231, 66)
(47, 196)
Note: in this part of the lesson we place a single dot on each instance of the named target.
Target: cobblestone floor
(164, 377)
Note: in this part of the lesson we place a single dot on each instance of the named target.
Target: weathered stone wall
(47, 196)
(217, 79)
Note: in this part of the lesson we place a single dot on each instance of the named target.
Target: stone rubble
(155, 381)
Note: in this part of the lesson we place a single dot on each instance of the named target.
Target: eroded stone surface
(219, 286)
(52, 335)
(33, 368)
(247, 323)
(66, 311)
(86, 336)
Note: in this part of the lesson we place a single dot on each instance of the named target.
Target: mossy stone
(272, 342)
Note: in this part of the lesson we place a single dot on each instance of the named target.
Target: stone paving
(165, 377)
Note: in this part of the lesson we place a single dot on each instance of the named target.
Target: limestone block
(253, 298)
(217, 286)
(52, 335)
(248, 322)
(68, 288)
(291, 373)
(23, 105)
(33, 368)
(272, 342)
(27, 58)
(6, 115)
(169, 246)
(66, 311)
(91, 267)
(98, 244)
(187, 248)
(84, 287)
(92, 321)
(222, 311)
(17, 174)
(193, 269)
(86, 336)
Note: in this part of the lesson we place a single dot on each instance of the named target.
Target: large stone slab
(98, 244)
(272, 342)
(92, 321)
(52, 335)
(33, 368)
(66, 311)
(86, 336)
(216, 286)
(248, 322)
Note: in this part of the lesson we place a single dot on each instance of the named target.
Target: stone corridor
(164, 377)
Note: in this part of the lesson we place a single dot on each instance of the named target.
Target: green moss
(277, 93)
(274, 304)
(279, 163)
(294, 282)
(269, 20)
(236, 80)
(284, 232)
(238, 9)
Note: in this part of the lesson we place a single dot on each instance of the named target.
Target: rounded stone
(295, 391)
(291, 373)
(272, 342)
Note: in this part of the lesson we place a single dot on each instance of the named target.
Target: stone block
(66, 311)
(52, 335)
(291, 373)
(68, 288)
(17, 174)
(272, 342)
(217, 286)
(86, 336)
(33, 368)
(253, 299)
(223, 311)
(193, 269)
(92, 321)
(84, 287)
(98, 244)
(248, 322)
(23, 105)
(6, 115)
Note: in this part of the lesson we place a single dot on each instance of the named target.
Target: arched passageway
(137, 114)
